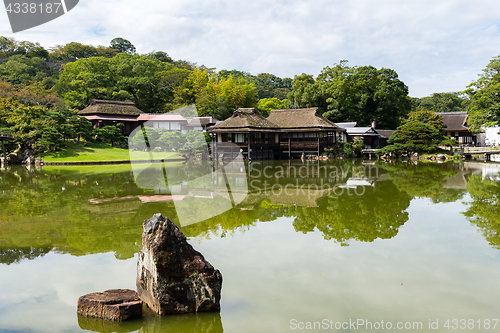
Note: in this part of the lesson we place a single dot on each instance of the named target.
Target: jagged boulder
(172, 277)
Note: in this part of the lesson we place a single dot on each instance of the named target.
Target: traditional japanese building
(103, 113)
(456, 127)
(284, 134)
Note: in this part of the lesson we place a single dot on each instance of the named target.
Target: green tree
(49, 139)
(10, 47)
(122, 45)
(306, 92)
(442, 102)
(173, 140)
(23, 70)
(428, 117)
(357, 145)
(484, 96)
(110, 133)
(214, 95)
(359, 94)
(413, 137)
(266, 105)
(124, 77)
(74, 51)
(271, 86)
(449, 142)
(160, 55)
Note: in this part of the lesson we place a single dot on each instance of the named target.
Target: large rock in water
(172, 277)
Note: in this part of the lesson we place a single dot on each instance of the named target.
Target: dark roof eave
(273, 130)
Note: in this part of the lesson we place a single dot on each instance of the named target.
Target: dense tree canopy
(10, 47)
(215, 95)
(484, 94)
(359, 94)
(23, 70)
(74, 51)
(124, 77)
(442, 102)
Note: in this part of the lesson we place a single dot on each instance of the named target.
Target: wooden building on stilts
(285, 134)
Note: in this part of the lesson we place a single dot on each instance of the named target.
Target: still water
(335, 247)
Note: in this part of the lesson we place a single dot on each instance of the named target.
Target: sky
(433, 45)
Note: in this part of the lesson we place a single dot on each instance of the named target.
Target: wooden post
(317, 134)
(3, 150)
(249, 147)
(289, 148)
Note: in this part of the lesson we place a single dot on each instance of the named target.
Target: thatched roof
(455, 121)
(111, 108)
(245, 120)
(300, 119)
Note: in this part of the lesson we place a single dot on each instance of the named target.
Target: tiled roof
(361, 131)
(348, 124)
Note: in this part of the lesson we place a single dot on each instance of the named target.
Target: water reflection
(86, 210)
(484, 209)
(151, 323)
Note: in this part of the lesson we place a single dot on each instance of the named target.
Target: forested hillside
(41, 90)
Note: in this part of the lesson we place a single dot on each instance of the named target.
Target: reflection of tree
(420, 180)
(449, 195)
(50, 209)
(378, 213)
(484, 210)
(10, 256)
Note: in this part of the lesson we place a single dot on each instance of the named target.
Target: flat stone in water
(114, 304)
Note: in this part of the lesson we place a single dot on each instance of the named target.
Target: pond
(328, 246)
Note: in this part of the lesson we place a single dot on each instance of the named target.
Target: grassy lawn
(97, 152)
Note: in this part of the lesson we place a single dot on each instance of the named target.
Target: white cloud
(434, 46)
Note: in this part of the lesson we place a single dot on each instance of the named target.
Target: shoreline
(112, 162)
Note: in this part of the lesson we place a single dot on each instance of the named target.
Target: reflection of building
(284, 134)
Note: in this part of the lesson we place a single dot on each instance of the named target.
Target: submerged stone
(172, 277)
(114, 304)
